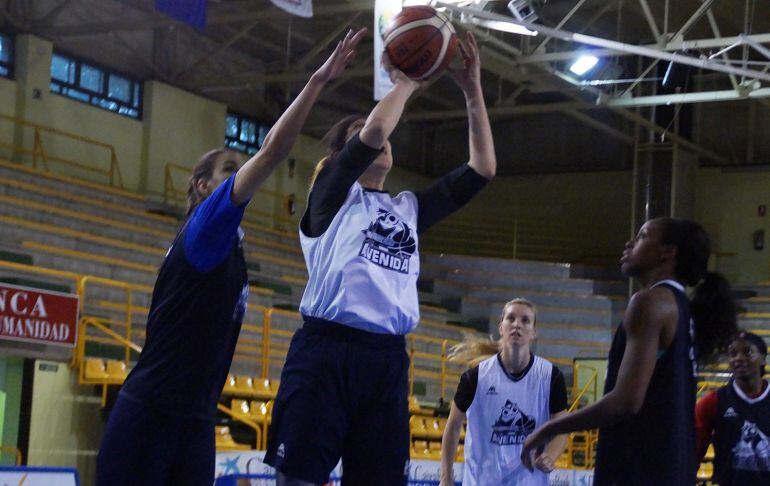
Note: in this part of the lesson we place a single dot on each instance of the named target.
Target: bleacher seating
(79, 228)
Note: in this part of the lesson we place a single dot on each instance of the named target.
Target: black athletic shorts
(343, 394)
(144, 447)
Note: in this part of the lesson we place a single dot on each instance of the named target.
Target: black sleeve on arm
(558, 400)
(333, 183)
(466, 389)
(447, 195)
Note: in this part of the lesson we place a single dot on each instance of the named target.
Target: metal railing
(18, 458)
(39, 153)
(261, 440)
(517, 238)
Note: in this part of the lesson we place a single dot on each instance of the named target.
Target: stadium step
(46, 180)
(496, 265)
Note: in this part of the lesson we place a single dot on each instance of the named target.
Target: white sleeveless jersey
(503, 413)
(362, 271)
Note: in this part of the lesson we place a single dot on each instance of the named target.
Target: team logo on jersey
(752, 452)
(513, 425)
(730, 412)
(389, 242)
(492, 391)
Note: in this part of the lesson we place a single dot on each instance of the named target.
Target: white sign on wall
(384, 11)
(301, 8)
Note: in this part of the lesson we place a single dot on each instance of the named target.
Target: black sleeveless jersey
(655, 447)
(742, 438)
(195, 316)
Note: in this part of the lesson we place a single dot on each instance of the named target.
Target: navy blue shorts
(144, 447)
(343, 394)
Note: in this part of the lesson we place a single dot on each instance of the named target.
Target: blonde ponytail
(473, 350)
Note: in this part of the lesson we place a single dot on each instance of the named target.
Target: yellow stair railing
(39, 153)
(18, 458)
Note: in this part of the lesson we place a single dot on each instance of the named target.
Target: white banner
(384, 11)
(38, 476)
(250, 463)
(302, 8)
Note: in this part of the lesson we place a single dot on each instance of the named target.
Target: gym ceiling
(255, 58)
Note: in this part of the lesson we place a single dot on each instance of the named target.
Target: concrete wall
(178, 127)
(65, 424)
(7, 107)
(727, 204)
(11, 372)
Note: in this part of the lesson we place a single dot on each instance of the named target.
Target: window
(94, 85)
(6, 56)
(244, 134)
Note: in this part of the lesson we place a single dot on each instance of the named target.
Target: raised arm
(647, 314)
(385, 116)
(480, 142)
(340, 171)
(283, 134)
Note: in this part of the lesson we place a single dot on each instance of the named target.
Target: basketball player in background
(506, 394)
(646, 416)
(161, 429)
(736, 417)
(344, 387)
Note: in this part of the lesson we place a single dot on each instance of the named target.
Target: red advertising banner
(38, 316)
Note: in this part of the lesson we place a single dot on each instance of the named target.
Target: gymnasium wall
(578, 213)
(727, 204)
(7, 107)
(64, 428)
(178, 127)
(585, 211)
(11, 372)
(35, 103)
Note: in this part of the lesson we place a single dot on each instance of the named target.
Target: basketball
(420, 41)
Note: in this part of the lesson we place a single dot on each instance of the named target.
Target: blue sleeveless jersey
(655, 447)
(195, 317)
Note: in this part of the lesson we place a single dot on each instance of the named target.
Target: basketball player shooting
(344, 386)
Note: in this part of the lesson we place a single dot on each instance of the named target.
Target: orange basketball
(420, 41)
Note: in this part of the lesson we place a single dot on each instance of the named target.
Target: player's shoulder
(656, 304)
(408, 196)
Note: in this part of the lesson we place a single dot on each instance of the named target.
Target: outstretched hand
(342, 56)
(534, 442)
(469, 76)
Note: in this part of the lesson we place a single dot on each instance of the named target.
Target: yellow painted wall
(726, 204)
(7, 107)
(35, 103)
(65, 423)
(123, 133)
(179, 128)
(562, 214)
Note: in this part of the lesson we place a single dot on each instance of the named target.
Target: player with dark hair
(161, 429)
(344, 386)
(736, 417)
(646, 417)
